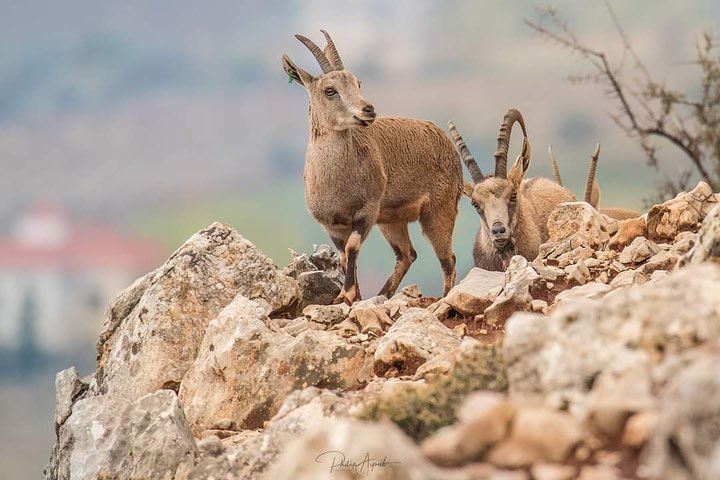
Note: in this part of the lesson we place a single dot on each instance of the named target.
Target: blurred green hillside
(276, 220)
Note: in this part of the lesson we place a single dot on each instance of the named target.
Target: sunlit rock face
(594, 360)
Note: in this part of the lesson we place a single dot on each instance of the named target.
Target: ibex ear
(523, 160)
(296, 73)
(522, 163)
(515, 175)
(468, 190)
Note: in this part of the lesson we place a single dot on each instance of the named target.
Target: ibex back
(592, 188)
(362, 170)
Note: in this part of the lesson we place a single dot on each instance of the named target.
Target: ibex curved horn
(591, 174)
(503, 140)
(317, 53)
(555, 167)
(331, 52)
(465, 154)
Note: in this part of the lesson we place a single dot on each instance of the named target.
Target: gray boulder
(153, 329)
(416, 337)
(560, 357)
(244, 370)
(111, 437)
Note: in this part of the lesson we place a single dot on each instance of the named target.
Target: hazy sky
(108, 104)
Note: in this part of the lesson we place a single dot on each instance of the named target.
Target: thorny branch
(649, 108)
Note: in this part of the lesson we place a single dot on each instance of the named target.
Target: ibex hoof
(348, 297)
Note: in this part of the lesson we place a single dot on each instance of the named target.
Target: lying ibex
(592, 188)
(513, 212)
(362, 170)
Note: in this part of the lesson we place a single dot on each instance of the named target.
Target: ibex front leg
(351, 249)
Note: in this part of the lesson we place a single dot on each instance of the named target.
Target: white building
(56, 276)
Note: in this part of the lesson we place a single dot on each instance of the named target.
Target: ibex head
(495, 197)
(335, 98)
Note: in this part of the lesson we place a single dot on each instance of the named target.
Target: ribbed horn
(331, 52)
(503, 140)
(465, 154)
(555, 167)
(317, 53)
(591, 174)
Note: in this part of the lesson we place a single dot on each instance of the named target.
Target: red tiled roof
(88, 247)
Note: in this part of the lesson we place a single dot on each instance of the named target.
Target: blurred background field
(127, 126)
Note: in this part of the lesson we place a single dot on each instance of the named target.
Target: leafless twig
(653, 110)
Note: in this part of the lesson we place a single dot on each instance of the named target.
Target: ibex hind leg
(438, 227)
(398, 237)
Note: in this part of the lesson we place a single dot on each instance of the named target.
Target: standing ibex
(362, 170)
(592, 188)
(513, 212)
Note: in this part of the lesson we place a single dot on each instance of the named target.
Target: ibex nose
(369, 110)
(498, 229)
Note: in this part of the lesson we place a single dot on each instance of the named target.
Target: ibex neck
(329, 144)
(526, 231)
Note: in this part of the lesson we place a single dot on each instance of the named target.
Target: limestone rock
(211, 445)
(538, 434)
(592, 290)
(68, 389)
(627, 231)
(627, 278)
(443, 363)
(244, 371)
(538, 306)
(318, 275)
(152, 331)
(371, 319)
(684, 445)
(581, 224)
(684, 241)
(326, 314)
(520, 279)
(558, 357)
(484, 418)
(638, 428)
(578, 273)
(663, 260)
(253, 455)
(111, 437)
(410, 295)
(475, 292)
(707, 246)
(683, 213)
(638, 251)
(552, 471)
(414, 338)
(393, 453)
(599, 472)
(618, 395)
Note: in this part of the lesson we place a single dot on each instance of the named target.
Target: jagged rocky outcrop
(244, 370)
(154, 328)
(597, 359)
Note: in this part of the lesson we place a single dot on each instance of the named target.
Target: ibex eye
(359, 84)
(330, 91)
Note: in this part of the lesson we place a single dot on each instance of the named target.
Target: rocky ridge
(596, 360)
